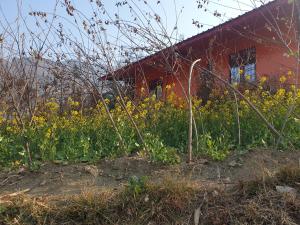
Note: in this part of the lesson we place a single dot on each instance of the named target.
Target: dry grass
(253, 202)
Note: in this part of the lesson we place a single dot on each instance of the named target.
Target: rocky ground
(61, 179)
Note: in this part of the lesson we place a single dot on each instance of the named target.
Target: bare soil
(57, 179)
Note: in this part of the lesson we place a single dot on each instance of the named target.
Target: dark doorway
(206, 81)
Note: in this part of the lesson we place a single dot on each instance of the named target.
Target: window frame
(239, 61)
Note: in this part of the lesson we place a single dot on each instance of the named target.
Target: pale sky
(166, 8)
(186, 11)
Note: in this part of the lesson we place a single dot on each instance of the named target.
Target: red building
(262, 42)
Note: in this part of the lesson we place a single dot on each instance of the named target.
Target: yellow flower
(1, 117)
(52, 106)
(241, 71)
(129, 104)
(17, 163)
(290, 73)
(243, 102)
(263, 79)
(293, 87)
(153, 97)
(39, 120)
(282, 79)
(157, 105)
(9, 129)
(168, 86)
(74, 113)
(281, 91)
(48, 133)
(144, 113)
(72, 103)
(248, 77)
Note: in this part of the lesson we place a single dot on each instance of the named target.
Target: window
(243, 66)
(155, 88)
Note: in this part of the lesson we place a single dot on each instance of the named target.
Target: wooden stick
(14, 194)
(190, 137)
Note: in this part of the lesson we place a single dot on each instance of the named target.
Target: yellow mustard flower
(39, 120)
(48, 133)
(52, 106)
(290, 73)
(263, 79)
(293, 87)
(74, 113)
(282, 79)
(168, 87)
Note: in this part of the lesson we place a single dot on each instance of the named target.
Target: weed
(136, 185)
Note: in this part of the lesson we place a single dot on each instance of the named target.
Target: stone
(234, 164)
(93, 170)
(286, 190)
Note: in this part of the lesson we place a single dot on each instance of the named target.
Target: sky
(179, 13)
(228, 9)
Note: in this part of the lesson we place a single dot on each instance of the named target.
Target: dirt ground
(58, 179)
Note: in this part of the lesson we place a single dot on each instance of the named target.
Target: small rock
(203, 161)
(93, 170)
(65, 163)
(118, 178)
(286, 190)
(234, 164)
(146, 198)
(43, 183)
(227, 180)
(57, 162)
(22, 170)
(215, 193)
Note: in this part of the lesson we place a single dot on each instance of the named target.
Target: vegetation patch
(223, 124)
